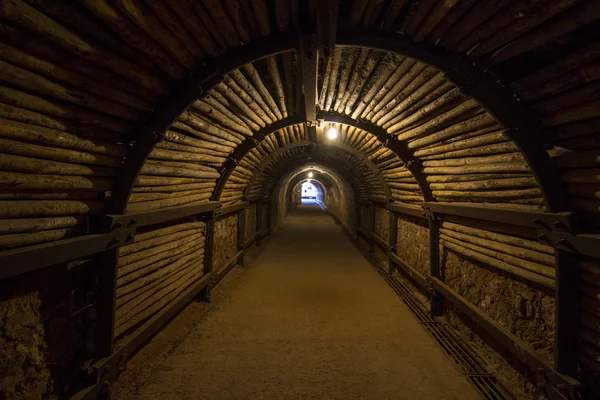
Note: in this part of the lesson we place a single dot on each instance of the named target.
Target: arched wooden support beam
(179, 99)
(340, 166)
(521, 126)
(302, 143)
(290, 165)
(395, 146)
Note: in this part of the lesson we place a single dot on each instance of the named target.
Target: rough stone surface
(250, 220)
(225, 245)
(524, 310)
(382, 223)
(412, 244)
(42, 343)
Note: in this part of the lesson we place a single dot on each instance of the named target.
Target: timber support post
(259, 223)
(371, 226)
(106, 295)
(434, 264)
(208, 254)
(566, 300)
(392, 238)
(241, 232)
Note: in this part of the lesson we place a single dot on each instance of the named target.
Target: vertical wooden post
(241, 231)
(108, 262)
(259, 223)
(371, 226)
(566, 313)
(434, 264)
(269, 212)
(392, 239)
(208, 255)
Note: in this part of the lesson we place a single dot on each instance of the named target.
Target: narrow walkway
(310, 320)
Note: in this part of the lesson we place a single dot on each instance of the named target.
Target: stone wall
(225, 246)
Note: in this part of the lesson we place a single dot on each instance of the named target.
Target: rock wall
(412, 243)
(43, 319)
(225, 246)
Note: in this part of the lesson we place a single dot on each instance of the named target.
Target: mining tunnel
(153, 239)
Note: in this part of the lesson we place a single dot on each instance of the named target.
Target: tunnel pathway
(310, 320)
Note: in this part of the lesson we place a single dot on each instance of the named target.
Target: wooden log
(589, 191)
(72, 78)
(560, 68)
(18, 181)
(397, 114)
(70, 112)
(174, 188)
(474, 142)
(209, 109)
(185, 165)
(30, 19)
(181, 156)
(153, 181)
(203, 144)
(19, 131)
(133, 259)
(389, 100)
(273, 70)
(493, 159)
(159, 301)
(169, 202)
(9, 162)
(41, 208)
(468, 178)
(139, 197)
(182, 148)
(158, 32)
(523, 248)
(493, 194)
(519, 272)
(420, 85)
(251, 96)
(375, 82)
(153, 263)
(580, 159)
(581, 176)
(577, 113)
(192, 124)
(262, 90)
(150, 169)
(434, 18)
(25, 225)
(168, 236)
(431, 96)
(58, 154)
(24, 194)
(242, 109)
(566, 23)
(47, 121)
(478, 122)
(447, 119)
(140, 285)
(154, 233)
(186, 16)
(28, 239)
(345, 71)
(488, 184)
(35, 83)
(479, 168)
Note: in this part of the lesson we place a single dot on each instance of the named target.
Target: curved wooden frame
(524, 130)
(301, 143)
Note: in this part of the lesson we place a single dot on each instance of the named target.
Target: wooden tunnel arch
(468, 77)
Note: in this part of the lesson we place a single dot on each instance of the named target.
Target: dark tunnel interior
(158, 240)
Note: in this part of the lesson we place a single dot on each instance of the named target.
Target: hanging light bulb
(310, 174)
(332, 133)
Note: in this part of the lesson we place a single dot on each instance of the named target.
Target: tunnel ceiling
(451, 101)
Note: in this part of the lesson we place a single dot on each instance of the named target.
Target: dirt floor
(308, 318)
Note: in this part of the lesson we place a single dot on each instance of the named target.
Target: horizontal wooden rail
(418, 277)
(382, 244)
(223, 271)
(224, 212)
(31, 258)
(405, 209)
